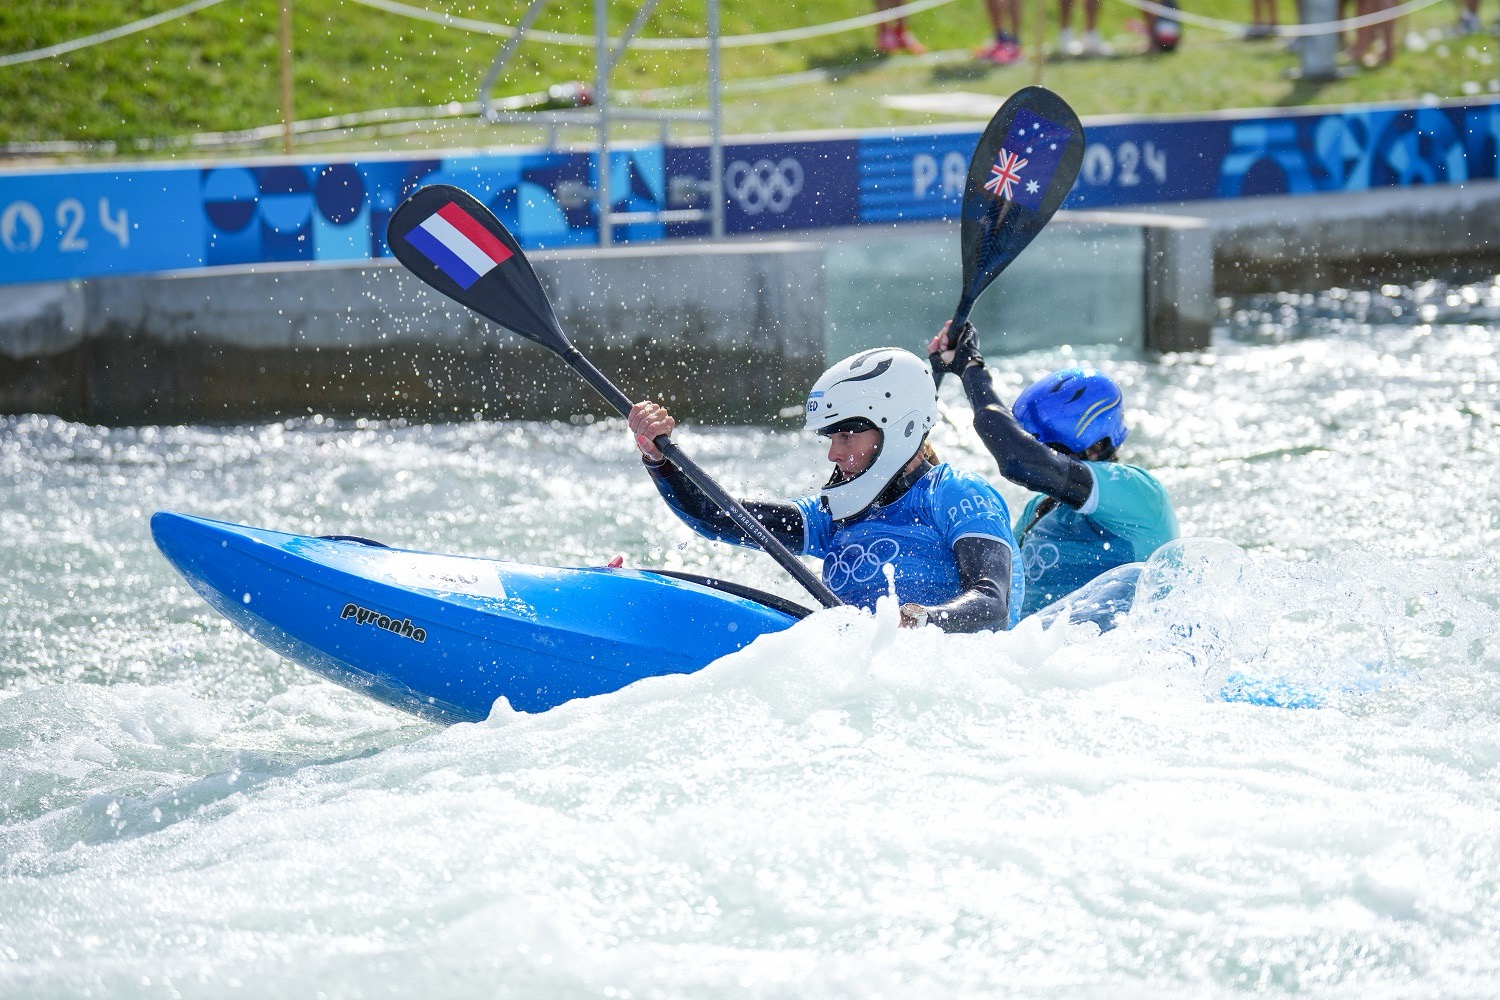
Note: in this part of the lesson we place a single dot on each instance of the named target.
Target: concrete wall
(730, 331)
(1080, 282)
(1367, 238)
(727, 332)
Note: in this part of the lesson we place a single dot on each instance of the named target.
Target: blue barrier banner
(77, 223)
(65, 224)
(769, 186)
(913, 177)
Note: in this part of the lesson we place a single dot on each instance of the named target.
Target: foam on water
(841, 809)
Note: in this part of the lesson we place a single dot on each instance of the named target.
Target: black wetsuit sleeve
(984, 569)
(1023, 459)
(701, 514)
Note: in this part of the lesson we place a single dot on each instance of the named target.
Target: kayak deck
(445, 636)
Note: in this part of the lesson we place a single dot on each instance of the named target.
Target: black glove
(965, 348)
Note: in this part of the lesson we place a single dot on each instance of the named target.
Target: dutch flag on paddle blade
(460, 247)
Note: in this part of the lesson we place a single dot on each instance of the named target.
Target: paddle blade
(1023, 168)
(448, 239)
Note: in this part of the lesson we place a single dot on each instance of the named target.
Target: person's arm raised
(1023, 459)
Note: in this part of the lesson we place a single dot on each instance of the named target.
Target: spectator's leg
(988, 49)
(1067, 45)
(1262, 19)
(908, 41)
(1359, 49)
(1468, 19)
(1385, 31)
(1352, 41)
(1093, 45)
(1005, 18)
(886, 39)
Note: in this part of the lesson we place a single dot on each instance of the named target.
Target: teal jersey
(1127, 516)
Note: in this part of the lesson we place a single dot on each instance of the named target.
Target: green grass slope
(217, 69)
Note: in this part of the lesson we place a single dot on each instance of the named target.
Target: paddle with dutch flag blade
(1022, 169)
(448, 239)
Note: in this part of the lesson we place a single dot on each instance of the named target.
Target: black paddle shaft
(1023, 167)
(449, 239)
(701, 479)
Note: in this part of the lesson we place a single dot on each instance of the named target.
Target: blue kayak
(444, 636)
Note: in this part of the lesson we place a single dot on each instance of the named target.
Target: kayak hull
(445, 636)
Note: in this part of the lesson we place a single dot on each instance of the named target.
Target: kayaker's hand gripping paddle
(1022, 169)
(448, 239)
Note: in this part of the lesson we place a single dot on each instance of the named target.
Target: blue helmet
(1075, 408)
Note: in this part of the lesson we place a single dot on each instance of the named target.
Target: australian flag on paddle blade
(1027, 159)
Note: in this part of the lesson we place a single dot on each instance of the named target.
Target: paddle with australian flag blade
(1022, 169)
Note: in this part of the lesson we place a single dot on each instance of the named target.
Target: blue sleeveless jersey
(1127, 517)
(915, 535)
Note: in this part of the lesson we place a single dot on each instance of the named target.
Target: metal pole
(503, 59)
(1319, 52)
(625, 39)
(716, 131)
(286, 76)
(604, 203)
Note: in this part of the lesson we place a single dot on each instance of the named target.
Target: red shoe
(1002, 53)
(1006, 52)
(908, 41)
(888, 41)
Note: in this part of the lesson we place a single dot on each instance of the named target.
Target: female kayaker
(1092, 512)
(945, 532)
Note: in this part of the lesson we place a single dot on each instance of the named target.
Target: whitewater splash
(844, 809)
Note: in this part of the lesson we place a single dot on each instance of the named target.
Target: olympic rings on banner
(766, 186)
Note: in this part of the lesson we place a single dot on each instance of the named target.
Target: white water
(841, 810)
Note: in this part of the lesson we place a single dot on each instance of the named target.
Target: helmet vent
(874, 373)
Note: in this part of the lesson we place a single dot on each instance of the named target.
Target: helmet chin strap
(1099, 451)
(904, 481)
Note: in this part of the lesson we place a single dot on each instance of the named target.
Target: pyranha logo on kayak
(364, 616)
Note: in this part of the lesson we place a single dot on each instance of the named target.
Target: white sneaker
(1093, 45)
(1067, 44)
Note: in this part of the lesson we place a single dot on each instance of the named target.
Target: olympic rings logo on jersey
(858, 563)
(1037, 559)
(765, 186)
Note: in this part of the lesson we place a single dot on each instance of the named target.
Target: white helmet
(888, 389)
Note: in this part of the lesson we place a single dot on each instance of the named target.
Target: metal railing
(600, 116)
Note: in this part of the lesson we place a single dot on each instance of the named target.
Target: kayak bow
(445, 636)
